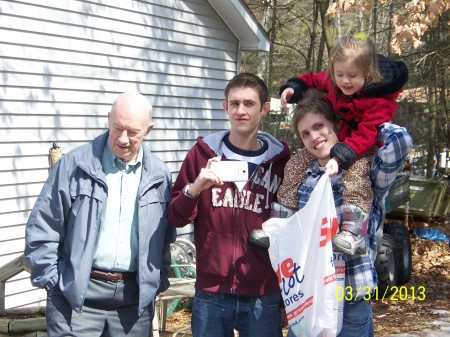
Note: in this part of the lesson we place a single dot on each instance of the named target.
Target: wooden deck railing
(7, 271)
(36, 325)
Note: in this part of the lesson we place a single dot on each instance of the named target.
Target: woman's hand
(332, 167)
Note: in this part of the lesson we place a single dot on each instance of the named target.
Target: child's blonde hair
(361, 50)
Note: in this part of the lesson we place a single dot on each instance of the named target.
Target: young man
(98, 239)
(236, 286)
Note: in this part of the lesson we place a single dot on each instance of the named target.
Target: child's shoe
(351, 239)
(258, 237)
(349, 243)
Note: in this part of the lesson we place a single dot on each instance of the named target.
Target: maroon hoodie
(223, 217)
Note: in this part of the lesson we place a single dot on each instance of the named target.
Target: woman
(316, 126)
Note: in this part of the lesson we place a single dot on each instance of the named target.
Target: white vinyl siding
(63, 62)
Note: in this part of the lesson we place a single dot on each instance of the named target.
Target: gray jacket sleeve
(45, 229)
(169, 237)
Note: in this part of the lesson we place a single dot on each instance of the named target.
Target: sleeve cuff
(299, 88)
(344, 153)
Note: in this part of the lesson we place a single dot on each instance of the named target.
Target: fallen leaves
(431, 265)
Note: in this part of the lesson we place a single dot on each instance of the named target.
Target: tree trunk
(326, 28)
(431, 162)
(391, 14)
(319, 66)
(273, 36)
(374, 21)
(310, 60)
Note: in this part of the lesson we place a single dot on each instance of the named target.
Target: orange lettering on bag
(327, 230)
(334, 226)
(286, 269)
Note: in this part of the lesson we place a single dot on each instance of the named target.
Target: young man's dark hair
(248, 80)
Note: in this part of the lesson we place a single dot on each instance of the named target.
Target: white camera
(230, 170)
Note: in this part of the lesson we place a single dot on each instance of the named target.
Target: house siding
(63, 62)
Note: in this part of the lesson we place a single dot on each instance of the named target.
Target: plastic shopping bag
(308, 271)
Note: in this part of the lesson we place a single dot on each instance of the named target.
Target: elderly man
(98, 239)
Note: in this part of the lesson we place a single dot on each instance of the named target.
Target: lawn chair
(181, 285)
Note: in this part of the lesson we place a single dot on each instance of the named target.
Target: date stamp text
(392, 293)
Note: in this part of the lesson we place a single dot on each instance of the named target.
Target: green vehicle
(412, 202)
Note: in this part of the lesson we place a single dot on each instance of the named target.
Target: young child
(362, 88)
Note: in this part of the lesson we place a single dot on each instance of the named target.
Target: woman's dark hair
(313, 101)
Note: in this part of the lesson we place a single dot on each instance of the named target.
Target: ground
(399, 313)
(431, 270)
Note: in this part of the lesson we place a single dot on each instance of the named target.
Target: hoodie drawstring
(268, 186)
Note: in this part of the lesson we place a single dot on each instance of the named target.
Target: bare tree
(302, 33)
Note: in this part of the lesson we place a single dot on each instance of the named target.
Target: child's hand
(286, 96)
(332, 167)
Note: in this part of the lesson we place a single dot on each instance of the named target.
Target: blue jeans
(217, 314)
(358, 319)
(357, 322)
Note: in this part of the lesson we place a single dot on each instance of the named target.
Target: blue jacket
(62, 230)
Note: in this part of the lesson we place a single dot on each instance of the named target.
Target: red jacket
(365, 110)
(223, 217)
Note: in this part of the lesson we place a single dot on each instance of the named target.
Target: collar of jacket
(277, 150)
(395, 76)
